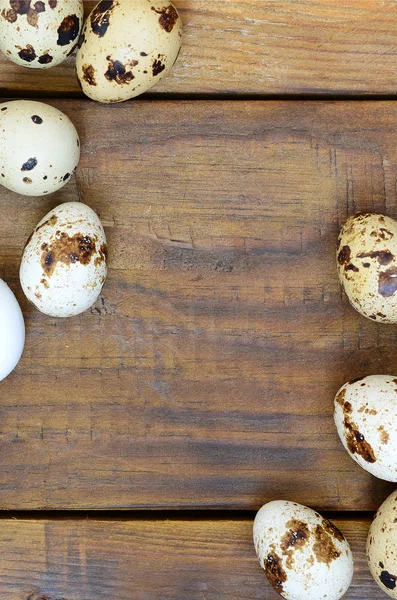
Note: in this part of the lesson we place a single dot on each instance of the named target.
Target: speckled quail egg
(39, 147)
(382, 546)
(304, 556)
(367, 265)
(39, 34)
(63, 266)
(127, 47)
(365, 417)
(12, 331)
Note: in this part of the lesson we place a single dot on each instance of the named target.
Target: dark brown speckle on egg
(388, 580)
(157, 67)
(27, 54)
(68, 30)
(387, 284)
(274, 571)
(117, 71)
(67, 250)
(324, 547)
(100, 17)
(45, 59)
(39, 6)
(29, 164)
(168, 17)
(295, 538)
(89, 74)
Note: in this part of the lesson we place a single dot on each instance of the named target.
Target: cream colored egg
(304, 556)
(382, 546)
(63, 266)
(127, 47)
(365, 417)
(39, 147)
(39, 34)
(367, 265)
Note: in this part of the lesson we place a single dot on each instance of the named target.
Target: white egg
(63, 266)
(382, 546)
(39, 147)
(12, 331)
(365, 417)
(127, 47)
(304, 556)
(39, 34)
(367, 265)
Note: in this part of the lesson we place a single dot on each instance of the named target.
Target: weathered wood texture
(146, 560)
(205, 375)
(257, 47)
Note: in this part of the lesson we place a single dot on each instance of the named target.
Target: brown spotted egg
(382, 546)
(127, 47)
(365, 417)
(63, 266)
(367, 265)
(39, 147)
(304, 556)
(39, 34)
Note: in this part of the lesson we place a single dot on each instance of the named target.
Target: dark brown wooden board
(257, 47)
(147, 560)
(205, 374)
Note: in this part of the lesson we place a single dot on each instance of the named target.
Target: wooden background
(201, 384)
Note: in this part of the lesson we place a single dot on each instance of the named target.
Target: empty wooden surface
(205, 375)
(261, 47)
(147, 560)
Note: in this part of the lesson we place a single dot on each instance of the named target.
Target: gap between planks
(162, 515)
(6, 96)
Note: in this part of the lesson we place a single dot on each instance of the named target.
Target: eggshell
(304, 556)
(39, 147)
(382, 546)
(12, 331)
(367, 265)
(365, 417)
(63, 266)
(127, 47)
(39, 34)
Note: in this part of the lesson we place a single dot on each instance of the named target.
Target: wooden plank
(147, 559)
(256, 47)
(205, 375)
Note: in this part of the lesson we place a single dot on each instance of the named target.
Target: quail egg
(39, 34)
(63, 266)
(365, 417)
(39, 147)
(127, 47)
(382, 546)
(367, 265)
(304, 556)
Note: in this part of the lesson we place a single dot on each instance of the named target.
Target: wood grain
(147, 560)
(251, 47)
(205, 374)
